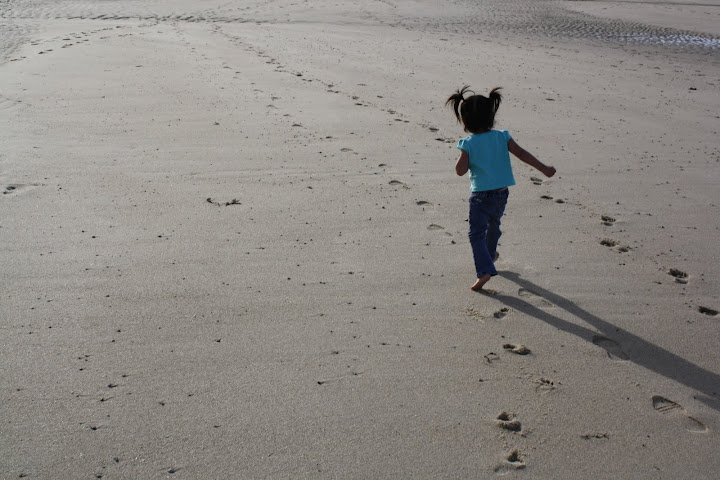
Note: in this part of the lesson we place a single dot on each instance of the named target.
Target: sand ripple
(500, 19)
(549, 19)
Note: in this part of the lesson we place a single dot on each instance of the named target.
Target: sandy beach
(234, 244)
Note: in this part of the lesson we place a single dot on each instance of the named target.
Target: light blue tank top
(490, 167)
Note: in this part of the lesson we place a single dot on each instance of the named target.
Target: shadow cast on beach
(619, 343)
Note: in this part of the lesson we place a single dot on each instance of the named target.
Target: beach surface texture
(234, 245)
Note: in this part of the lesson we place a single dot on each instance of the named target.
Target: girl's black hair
(477, 113)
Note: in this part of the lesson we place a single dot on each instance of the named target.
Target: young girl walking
(485, 153)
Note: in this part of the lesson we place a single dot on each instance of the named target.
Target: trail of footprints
(71, 39)
(509, 422)
(679, 275)
(609, 242)
(82, 37)
(514, 460)
(330, 87)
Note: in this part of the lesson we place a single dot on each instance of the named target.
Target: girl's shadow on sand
(620, 344)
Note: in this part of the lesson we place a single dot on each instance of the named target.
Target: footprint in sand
(234, 201)
(508, 421)
(7, 103)
(545, 385)
(502, 313)
(608, 242)
(517, 349)
(675, 410)
(423, 203)
(607, 220)
(339, 377)
(491, 357)
(707, 311)
(680, 276)
(612, 348)
(18, 188)
(536, 180)
(439, 228)
(531, 296)
(513, 461)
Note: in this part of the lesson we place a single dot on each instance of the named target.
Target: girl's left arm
(529, 158)
(463, 163)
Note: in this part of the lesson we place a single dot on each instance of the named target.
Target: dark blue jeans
(486, 209)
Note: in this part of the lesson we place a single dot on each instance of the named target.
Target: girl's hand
(548, 171)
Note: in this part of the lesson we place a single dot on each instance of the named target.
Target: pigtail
(495, 99)
(456, 99)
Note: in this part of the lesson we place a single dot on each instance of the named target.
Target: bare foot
(480, 282)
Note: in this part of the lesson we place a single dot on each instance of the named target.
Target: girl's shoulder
(503, 133)
(489, 134)
(465, 141)
(483, 138)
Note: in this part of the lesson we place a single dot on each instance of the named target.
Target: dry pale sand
(233, 244)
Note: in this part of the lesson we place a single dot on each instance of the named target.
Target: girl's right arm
(529, 158)
(463, 163)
